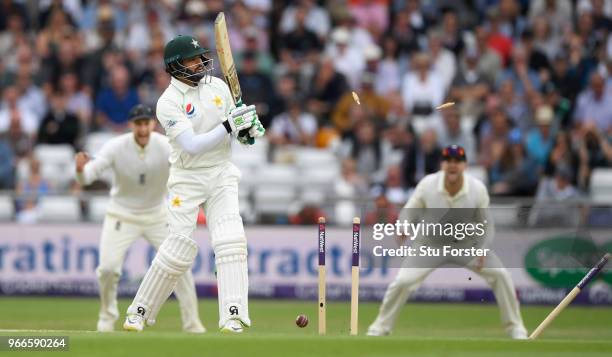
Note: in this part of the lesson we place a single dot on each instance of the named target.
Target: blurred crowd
(531, 82)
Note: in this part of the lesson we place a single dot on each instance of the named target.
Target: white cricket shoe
(376, 332)
(195, 328)
(232, 326)
(134, 322)
(518, 333)
(105, 325)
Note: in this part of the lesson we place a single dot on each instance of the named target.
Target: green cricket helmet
(184, 47)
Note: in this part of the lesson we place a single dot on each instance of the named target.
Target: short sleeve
(172, 118)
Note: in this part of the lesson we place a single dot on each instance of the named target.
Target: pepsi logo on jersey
(190, 110)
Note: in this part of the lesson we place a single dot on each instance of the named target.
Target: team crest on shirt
(190, 110)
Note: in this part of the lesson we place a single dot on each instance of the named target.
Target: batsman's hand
(81, 159)
(240, 118)
(257, 130)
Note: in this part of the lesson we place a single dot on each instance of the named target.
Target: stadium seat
(276, 175)
(95, 141)
(601, 186)
(249, 156)
(273, 200)
(59, 209)
(56, 163)
(314, 158)
(7, 209)
(97, 208)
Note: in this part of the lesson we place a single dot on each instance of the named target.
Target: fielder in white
(139, 161)
(451, 188)
(200, 119)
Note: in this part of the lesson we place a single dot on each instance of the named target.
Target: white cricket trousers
(408, 280)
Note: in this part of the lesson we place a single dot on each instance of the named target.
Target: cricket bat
(226, 62)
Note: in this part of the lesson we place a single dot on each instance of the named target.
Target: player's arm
(178, 127)
(88, 170)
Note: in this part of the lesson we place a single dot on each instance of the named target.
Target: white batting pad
(174, 257)
(229, 244)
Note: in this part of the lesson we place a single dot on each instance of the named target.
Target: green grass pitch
(422, 330)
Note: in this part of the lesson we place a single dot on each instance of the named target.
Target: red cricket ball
(301, 321)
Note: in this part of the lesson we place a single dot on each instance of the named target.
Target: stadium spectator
(372, 105)
(556, 201)
(493, 134)
(371, 15)
(7, 165)
(594, 105)
(422, 88)
(349, 187)
(443, 60)
(489, 60)
(29, 190)
(563, 154)
(31, 96)
(78, 102)
(421, 158)
(394, 187)
(544, 40)
(383, 211)
(594, 148)
(524, 80)
(13, 35)
(293, 127)
(325, 90)
(560, 13)
(348, 59)
(512, 23)
(11, 8)
(451, 132)
(514, 173)
(59, 126)
(15, 113)
(388, 77)
(539, 140)
(360, 36)
(496, 39)
(315, 18)
(452, 34)
(299, 46)
(406, 27)
(257, 87)
(114, 102)
(370, 152)
(265, 62)
(470, 86)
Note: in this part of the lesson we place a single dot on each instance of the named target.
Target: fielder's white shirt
(430, 193)
(202, 108)
(139, 176)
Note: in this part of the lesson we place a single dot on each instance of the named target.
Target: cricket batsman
(200, 119)
(139, 161)
(451, 187)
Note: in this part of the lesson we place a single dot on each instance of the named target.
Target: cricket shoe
(195, 328)
(232, 326)
(134, 322)
(518, 334)
(105, 325)
(376, 332)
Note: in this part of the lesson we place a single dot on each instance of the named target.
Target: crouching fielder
(139, 161)
(451, 188)
(198, 114)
